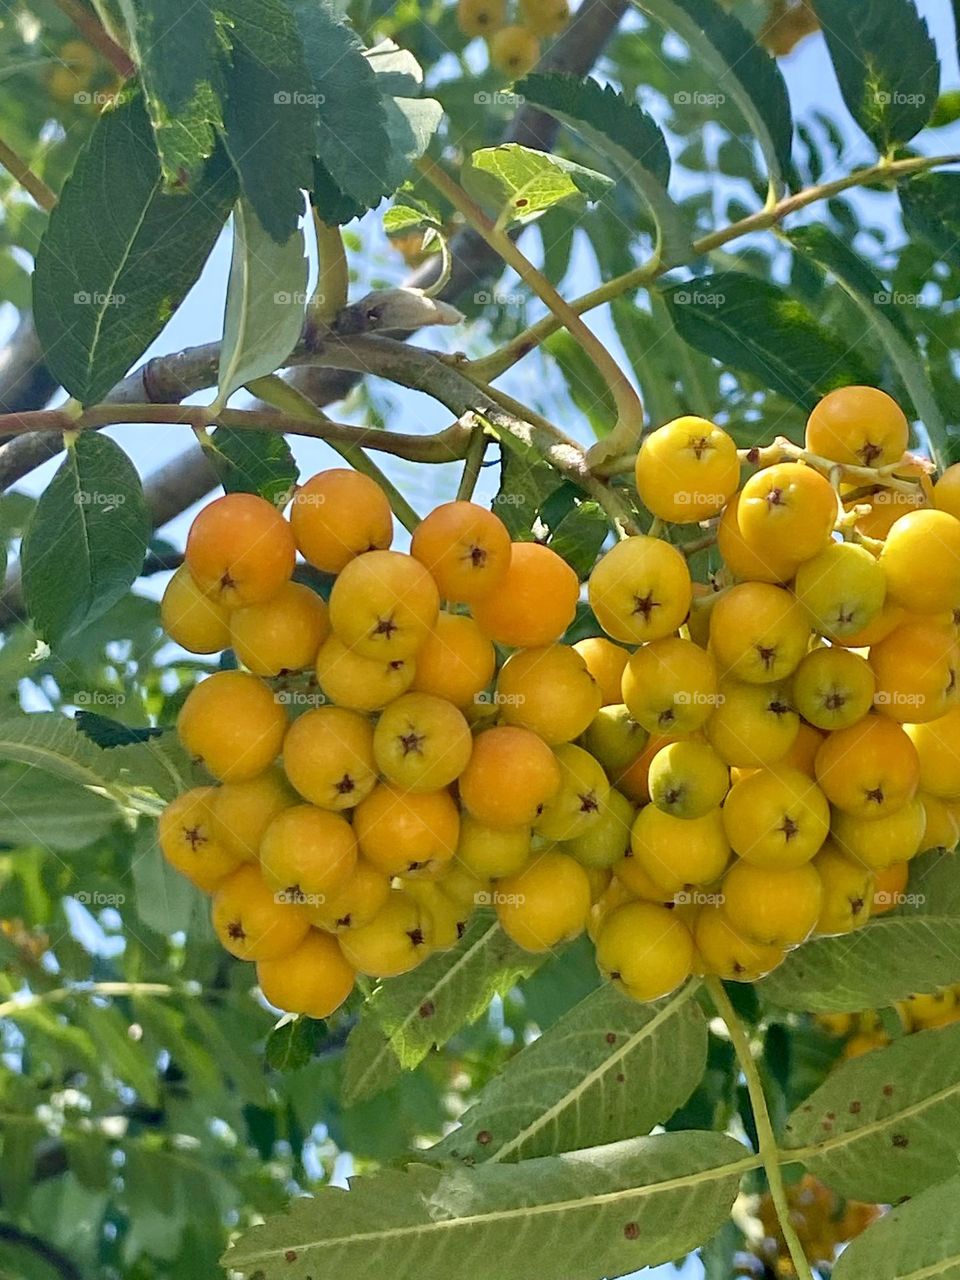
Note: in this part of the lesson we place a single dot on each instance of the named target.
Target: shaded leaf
(886, 63)
(886, 1124)
(254, 462)
(518, 183)
(931, 207)
(609, 1069)
(915, 1241)
(601, 1212)
(103, 288)
(86, 540)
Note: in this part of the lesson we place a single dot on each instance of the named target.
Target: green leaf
(588, 390)
(178, 53)
(629, 137)
(270, 111)
(266, 301)
(887, 1124)
(411, 119)
(886, 63)
(737, 65)
(931, 208)
(104, 287)
(526, 481)
(888, 960)
(254, 462)
(755, 326)
(112, 733)
(881, 309)
(56, 815)
(292, 1044)
(402, 219)
(407, 1016)
(85, 543)
(609, 1069)
(519, 184)
(919, 1240)
(352, 132)
(53, 744)
(580, 535)
(602, 1212)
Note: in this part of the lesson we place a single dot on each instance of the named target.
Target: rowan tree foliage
(565, 235)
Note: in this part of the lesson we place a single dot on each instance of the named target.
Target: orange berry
(383, 605)
(339, 514)
(465, 547)
(787, 509)
(946, 491)
(313, 979)
(605, 662)
(407, 833)
(921, 558)
(535, 602)
(194, 620)
(511, 777)
(242, 811)
(758, 632)
(546, 903)
(421, 743)
(870, 769)
(640, 590)
(751, 564)
(456, 661)
(282, 634)
(252, 921)
(307, 853)
(328, 757)
(858, 426)
(917, 668)
(240, 550)
(361, 684)
(548, 690)
(355, 903)
(687, 470)
(890, 884)
(514, 50)
(187, 836)
(233, 724)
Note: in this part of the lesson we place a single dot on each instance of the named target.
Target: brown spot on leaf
(611, 1037)
(427, 1009)
(484, 1137)
(290, 1255)
(900, 1140)
(632, 1230)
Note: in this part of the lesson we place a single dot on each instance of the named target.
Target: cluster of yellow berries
(822, 1220)
(863, 1032)
(729, 768)
(514, 46)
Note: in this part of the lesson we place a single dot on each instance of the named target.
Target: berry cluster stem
(769, 1151)
(628, 403)
(784, 450)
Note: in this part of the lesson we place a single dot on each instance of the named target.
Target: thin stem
(628, 403)
(333, 282)
(782, 449)
(493, 365)
(769, 1152)
(96, 34)
(473, 463)
(30, 182)
(449, 445)
(10, 1008)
